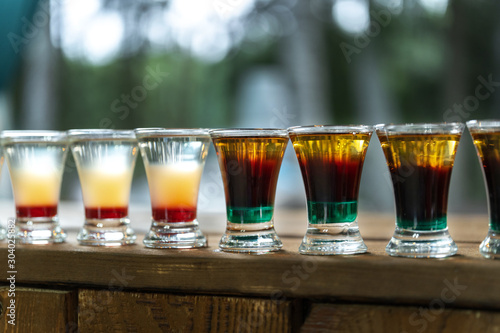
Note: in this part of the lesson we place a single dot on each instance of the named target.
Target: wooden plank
(109, 311)
(39, 310)
(348, 318)
(372, 277)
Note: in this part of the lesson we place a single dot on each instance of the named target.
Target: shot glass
(331, 161)
(250, 161)
(36, 163)
(420, 159)
(105, 161)
(174, 161)
(486, 137)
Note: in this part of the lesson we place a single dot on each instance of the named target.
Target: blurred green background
(253, 63)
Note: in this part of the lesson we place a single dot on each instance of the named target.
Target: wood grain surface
(108, 311)
(373, 277)
(39, 310)
(348, 318)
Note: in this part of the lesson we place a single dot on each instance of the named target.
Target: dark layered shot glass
(486, 137)
(331, 161)
(250, 161)
(420, 158)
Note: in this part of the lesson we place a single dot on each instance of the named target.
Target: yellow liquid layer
(426, 150)
(36, 187)
(174, 185)
(337, 146)
(105, 188)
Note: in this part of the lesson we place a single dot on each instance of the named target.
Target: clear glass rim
(420, 128)
(100, 134)
(311, 129)
(8, 136)
(248, 132)
(487, 125)
(151, 132)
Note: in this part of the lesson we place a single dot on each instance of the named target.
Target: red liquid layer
(179, 214)
(36, 211)
(106, 212)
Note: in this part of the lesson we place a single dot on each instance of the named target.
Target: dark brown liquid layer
(420, 167)
(488, 149)
(250, 168)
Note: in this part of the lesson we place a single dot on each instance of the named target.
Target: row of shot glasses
(420, 159)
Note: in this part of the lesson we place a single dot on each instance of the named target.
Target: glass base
(490, 247)
(39, 230)
(107, 232)
(256, 238)
(332, 239)
(421, 244)
(175, 235)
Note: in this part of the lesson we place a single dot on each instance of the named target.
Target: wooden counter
(136, 289)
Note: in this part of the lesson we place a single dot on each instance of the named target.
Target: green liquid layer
(332, 212)
(250, 215)
(495, 225)
(432, 225)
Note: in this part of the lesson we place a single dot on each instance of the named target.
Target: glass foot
(490, 247)
(421, 244)
(108, 232)
(252, 241)
(39, 231)
(178, 235)
(332, 239)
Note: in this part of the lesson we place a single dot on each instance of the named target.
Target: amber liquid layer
(331, 166)
(250, 168)
(420, 167)
(488, 149)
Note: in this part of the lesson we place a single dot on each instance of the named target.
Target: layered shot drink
(250, 161)
(420, 159)
(486, 136)
(105, 161)
(331, 160)
(36, 164)
(174, 161)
